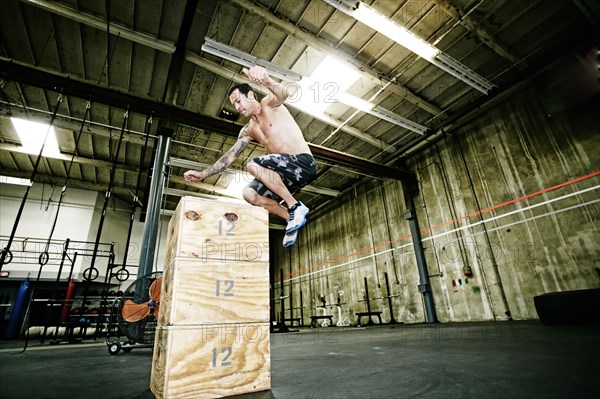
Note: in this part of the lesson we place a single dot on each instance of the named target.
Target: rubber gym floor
(514, 359)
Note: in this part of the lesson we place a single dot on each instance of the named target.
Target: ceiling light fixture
(381, 113)
(326, 83)
(338, 73)
(15, 180)
(213, 47)
(34, 135)
(356, 102)
(380, 23)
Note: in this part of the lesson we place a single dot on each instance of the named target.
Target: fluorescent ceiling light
(381, 113)
(324, 85)
(397, 33)
(398, 120)
(239, 57)
(15, 180)
(356, 102)
(332, 71)
(380, 23)
(34, 135)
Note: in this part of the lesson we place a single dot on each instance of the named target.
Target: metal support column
(159, 171)
(424, 286)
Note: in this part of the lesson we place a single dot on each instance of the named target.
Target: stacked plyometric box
(212, 338)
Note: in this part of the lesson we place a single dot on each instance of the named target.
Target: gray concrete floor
(471, 360)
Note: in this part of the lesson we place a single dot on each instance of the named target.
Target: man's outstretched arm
(224, 162)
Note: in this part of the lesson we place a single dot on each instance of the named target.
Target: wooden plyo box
(218, 230)
(211, 360)
(212, 338)
(196, 292)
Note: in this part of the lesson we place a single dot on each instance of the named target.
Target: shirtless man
(289, 165)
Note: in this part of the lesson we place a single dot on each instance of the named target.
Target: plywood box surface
(195, 292)
(218, 230)
(211, 361)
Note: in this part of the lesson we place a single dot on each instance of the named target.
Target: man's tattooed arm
(230, 156)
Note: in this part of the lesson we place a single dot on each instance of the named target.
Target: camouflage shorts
(296, 171)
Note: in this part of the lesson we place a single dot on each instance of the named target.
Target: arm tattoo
(231, 155)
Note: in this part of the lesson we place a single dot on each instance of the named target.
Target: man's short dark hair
(244, 88)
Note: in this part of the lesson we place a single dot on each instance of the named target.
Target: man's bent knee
(253, 168)
(250, 195)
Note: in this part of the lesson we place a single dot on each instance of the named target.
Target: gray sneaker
(289, 239)
(297, 218)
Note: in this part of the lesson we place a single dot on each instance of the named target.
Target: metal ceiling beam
(45, 79)
(174, 75)
(465, 20)
(72, 183)
(578, 42)
(100, 24)
(327, 48)
(361, 163)
(19, 72)
(66, 122)
(18, 149)
(73, 124)
(178, 52)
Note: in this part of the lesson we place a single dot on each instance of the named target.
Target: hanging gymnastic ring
(87, 273)
(9, 256)
(122, 274)
(43, 259)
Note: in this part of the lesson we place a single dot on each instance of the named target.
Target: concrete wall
(511, 195)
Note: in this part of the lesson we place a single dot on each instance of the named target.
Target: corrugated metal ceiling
(133, 50)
